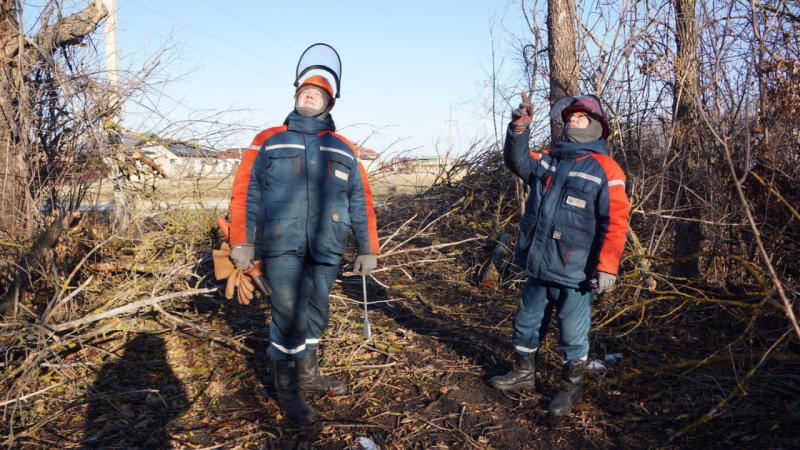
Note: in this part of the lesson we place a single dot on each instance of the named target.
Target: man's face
(578, 120)
(311, 98)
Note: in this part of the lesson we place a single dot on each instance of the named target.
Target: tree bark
(685, 172)
(561, 36)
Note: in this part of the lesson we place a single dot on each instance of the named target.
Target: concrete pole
(122, 216)
(450, 131)
(112, 56)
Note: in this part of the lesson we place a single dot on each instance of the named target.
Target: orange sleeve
(245, 194)
(366, 237)
(372, 224)
(613, 217)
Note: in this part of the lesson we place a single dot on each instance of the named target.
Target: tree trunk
(685, 172)
(561, 36)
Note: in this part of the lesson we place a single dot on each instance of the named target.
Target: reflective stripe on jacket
(576, 215)
(301, 182)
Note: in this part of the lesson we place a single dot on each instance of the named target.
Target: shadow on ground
(134, 399)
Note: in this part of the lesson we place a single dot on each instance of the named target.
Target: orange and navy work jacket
(300, 188)
(576, 215)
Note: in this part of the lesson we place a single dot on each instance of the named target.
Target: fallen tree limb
(129, 308)
(32, 394)
(210, 333)
(431, 247)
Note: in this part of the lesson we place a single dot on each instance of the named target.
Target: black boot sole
(303, 423)
(513, 387)
(314, 391)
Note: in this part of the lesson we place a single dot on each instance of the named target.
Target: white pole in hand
(367, 331)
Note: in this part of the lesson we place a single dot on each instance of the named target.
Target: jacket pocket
(338, 221)
(339, 170)
(279, 235)
(578, 196)
(524, 238)
(575, 219)
(569, 253)
(281, 228)
(284, 165)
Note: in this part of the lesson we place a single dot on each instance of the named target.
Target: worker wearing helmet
(298, 191)
(571, 238)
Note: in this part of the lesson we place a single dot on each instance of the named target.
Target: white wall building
(180, 160)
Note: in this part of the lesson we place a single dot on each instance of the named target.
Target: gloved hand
(522, 116)
(604, 282)
(242, 284)
(365, 264)
(238, 280)
(242, 256)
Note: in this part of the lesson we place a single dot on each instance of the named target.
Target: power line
(212, 36)
(214, 55)
(253, 27)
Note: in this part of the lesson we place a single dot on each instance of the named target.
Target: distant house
(232, 153)
(406, 164)
(367, 154)
(364, 154)
(181, 160)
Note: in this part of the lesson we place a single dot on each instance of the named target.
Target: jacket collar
(572, 150)
(309, 125)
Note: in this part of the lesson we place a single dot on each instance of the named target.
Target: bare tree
(46, 119)
(686, 173)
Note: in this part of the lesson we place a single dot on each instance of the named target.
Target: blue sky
(404, 64)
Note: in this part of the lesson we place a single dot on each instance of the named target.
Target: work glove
(522, 116)
(242, 284)
(604, 282)
(243, 255)
(238, 281)
(365, 264)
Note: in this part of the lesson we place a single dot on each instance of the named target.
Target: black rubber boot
(290, 398)
(311, 382)
(522, 374)
(571, 388)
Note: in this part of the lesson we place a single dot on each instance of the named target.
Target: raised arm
(516, 154)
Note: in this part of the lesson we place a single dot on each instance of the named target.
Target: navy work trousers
(299, 301)
(532, 319)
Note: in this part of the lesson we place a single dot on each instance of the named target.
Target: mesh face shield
(320, 59)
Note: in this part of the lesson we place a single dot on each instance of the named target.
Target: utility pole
(450, 121)
(112, 57)
(450, 130)
(112, 120)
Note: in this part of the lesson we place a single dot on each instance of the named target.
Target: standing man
(298, 191)
(570, 240)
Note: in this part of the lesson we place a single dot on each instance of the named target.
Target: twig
(776, 282)
(130, 308)
(210, 333)
(433, 247)
(33, 394)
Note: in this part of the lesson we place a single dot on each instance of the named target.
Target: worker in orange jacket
(298, 191)
(570, 240)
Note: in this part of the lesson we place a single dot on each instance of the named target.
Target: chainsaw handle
(224, 227)
(255, 269)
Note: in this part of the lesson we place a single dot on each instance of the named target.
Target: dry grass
(211, 192)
